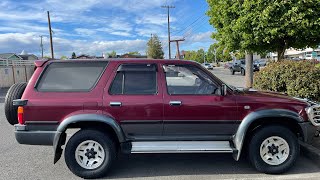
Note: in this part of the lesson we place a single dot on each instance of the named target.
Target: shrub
(300, 79)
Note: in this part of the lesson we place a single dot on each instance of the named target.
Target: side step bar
(182, 147)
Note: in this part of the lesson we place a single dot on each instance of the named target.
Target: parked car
(296, 59)
(240, 66)
(261, 62)
(153, 106)
(207, 65)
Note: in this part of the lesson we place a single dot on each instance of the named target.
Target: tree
(112, 54)
(134, 53)
(73, 56)
(63, 57)
(260, 25)
(154, 49)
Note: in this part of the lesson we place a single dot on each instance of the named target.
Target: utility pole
(41, 46)
(50, 32)
(168, 13)
(177, 43)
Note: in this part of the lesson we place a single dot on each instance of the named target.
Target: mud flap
(59, 140)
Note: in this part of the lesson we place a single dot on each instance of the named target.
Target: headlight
(313, 113)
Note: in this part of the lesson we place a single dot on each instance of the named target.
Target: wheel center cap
(273, 149)
(90, 153)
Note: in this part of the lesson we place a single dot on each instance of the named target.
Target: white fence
(6, 62)
(15, 71)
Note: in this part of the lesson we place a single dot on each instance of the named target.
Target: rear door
(134, 99)
(194, 106)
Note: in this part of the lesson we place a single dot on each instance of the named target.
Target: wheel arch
(86, 121)
(261, 118)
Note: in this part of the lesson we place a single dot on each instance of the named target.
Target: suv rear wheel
(90, 153)
(15, 92)
(243, 72)
(232, 71)
(273, 149)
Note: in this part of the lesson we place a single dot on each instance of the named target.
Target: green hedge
(300, 79)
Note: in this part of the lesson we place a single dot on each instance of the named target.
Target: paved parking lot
(36, 162)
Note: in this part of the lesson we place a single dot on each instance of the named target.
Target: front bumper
(308, 130)
(30, 137)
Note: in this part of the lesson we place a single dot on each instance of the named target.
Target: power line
(199, 19)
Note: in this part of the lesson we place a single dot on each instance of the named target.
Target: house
(84, 56)
(132, 56)
(10, 56)
(25, 56)
(307, 53)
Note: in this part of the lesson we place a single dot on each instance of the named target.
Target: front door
(194, 106)
(135, 100)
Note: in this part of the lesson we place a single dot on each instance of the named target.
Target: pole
(50, 32)
(215, 56)
(168, 13)
(41, 46)
(249, 70)
(177, 44)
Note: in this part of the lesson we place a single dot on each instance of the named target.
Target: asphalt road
(36, 162)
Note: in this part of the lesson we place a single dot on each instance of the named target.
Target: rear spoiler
(40, 63)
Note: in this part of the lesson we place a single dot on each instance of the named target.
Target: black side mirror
(224, 89)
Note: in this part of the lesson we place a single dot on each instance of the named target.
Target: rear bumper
(24, 136)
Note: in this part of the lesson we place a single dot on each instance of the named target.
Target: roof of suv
(40, 63)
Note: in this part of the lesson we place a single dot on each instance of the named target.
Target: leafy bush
(300, 79)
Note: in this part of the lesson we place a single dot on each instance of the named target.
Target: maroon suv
(154, 106)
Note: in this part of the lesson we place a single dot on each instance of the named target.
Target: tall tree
(154, 49)
(260, 25)
(73, 56)
(134, 53)
(112, 54)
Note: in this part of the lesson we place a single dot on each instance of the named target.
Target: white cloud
(16, 42)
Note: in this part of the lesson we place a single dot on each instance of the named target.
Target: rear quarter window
(70, 76)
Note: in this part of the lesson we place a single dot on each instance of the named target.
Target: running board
(181, 147)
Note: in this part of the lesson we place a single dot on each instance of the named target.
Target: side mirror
(224, 89)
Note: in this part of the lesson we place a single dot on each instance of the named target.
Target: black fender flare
(239, 137)
(60, 136)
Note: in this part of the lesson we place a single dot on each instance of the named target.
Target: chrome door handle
(175, 103)
(112, 104)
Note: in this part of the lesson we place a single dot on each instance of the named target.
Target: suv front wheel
(273, 149)
(90, 153)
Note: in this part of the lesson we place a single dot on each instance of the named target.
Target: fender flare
(239, 136)
(60, 136)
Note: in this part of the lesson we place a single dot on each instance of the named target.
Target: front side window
(70, 76)
(135, 79)
(188, 79)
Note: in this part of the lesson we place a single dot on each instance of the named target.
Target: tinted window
(188, 80)
(71, 76)
(137, 80)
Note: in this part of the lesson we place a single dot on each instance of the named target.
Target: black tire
(262, 134)
(15, 92)
(243, 72)
(89, 134)
(232, 71)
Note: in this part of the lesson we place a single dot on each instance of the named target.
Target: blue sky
(99, 26)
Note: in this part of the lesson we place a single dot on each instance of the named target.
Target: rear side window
(71, 76)
(135, 79)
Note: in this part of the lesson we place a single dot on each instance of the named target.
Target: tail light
(20, 115)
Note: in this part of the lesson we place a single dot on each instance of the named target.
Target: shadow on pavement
(154, 165)
(3, 92)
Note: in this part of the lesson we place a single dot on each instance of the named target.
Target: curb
(310, 152)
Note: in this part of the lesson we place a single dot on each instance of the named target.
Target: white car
(207, 65)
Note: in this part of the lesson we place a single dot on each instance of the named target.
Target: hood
(270, 96)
